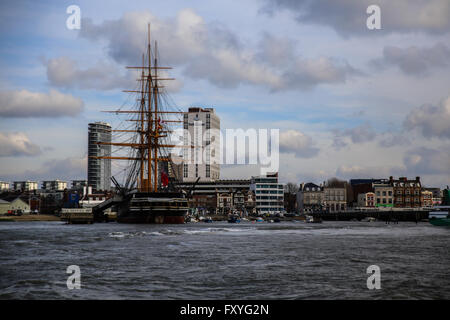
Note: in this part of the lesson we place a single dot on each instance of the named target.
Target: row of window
(384, 193)
(266, 198)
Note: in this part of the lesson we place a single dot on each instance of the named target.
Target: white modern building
(25, 185)
(269, 194)
(4, 186)
(54, 185)
(202, 136)
(99, 170)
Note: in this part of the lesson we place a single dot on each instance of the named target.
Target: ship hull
(153, 208)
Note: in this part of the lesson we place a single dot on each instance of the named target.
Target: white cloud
(415, 60)
(360, 134)
(432, 121)
(349, 17)
(424, 160)
(17, 144)
(293, 141)
(210, 52)
(71, 168)
(64, 72)
(27, 104)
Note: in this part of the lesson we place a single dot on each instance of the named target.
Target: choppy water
(289, 260)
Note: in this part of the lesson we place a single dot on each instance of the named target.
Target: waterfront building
(14, 203)
(366, 200)
(407, 193)
(361, 186)
(384, 195)
(335, 196)
(225, 202)
(5, 207)
(25, 185)
(269, 194)
(54, 185)
(202, 128)
(436, 196)
(427, 198)
(205, 195)
(309, 198)
(79, 184)
(99, 170)
(4, 186)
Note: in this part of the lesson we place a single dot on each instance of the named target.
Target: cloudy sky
(349, 102)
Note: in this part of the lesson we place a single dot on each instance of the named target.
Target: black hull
(153, 208)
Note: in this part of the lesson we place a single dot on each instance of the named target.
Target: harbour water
(288, 260)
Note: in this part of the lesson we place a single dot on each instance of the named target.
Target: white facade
(202, 131)
(4, 186)
(269, 194)
(25, 185)
(56, 185)
(335, 199)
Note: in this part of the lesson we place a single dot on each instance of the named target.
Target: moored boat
(440, 216)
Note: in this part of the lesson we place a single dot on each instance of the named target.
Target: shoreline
(29, 218)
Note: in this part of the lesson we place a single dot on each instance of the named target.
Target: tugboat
(148, 195)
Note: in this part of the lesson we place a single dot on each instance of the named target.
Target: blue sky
(371, 103)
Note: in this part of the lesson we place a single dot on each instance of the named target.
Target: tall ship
(149, 192)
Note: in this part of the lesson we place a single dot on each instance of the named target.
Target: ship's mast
(148, 125)
(149, 84)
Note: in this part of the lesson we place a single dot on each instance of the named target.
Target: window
(208, 170)
(196, 170)
(185, 170)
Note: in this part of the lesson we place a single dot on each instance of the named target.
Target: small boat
(369, 219)
(260, 220)
(440, 216)
(312, 219)
(276, 220)
(208, 220)
(234, 219)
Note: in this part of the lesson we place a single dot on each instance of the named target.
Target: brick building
(407, 193)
